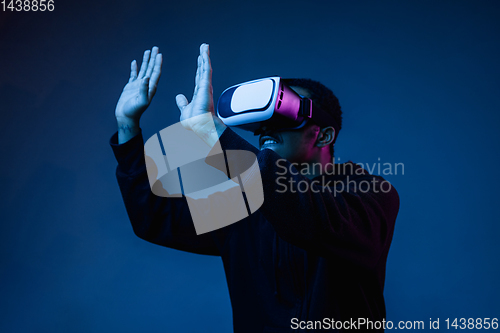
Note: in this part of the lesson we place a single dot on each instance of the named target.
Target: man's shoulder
(351, 177)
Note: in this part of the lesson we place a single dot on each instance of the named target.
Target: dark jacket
(310, 256)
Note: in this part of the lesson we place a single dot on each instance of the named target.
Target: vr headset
(270, 102)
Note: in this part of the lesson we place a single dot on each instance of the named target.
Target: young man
(312, 257)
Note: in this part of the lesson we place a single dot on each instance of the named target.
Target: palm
(139, 91)
(130, 104)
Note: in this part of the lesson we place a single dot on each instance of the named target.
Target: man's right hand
(137, 94)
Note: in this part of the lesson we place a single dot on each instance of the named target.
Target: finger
(151, 64)
(143, 93)
(144, 65)
(202, 48)
(209, 63)
(207, 67)
(205, 80)
(198, 74)
(181, 101)
(155, 76)
(133, 71)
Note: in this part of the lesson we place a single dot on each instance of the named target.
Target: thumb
(181, 101)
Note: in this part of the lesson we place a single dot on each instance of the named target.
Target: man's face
(293, 145)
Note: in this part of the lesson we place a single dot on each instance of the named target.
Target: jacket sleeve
(159, 220)
(339, 220)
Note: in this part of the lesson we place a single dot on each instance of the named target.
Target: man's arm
(163, 221)
(159, 220)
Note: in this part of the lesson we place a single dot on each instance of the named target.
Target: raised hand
(199, 115)
(137, 94)
(201, 107)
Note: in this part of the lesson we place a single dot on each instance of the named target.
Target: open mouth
(269, 140)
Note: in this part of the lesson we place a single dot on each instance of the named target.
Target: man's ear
(325, 136)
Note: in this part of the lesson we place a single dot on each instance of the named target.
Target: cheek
(299, 145)
(307, 149)
(303, 148)
(307, 141)
(308, 144)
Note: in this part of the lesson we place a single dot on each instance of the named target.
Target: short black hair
(323, 97)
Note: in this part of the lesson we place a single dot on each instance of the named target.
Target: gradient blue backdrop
(418, 82)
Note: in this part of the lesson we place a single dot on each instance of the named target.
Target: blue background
(418, 82)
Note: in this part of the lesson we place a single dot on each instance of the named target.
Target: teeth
(267, 142)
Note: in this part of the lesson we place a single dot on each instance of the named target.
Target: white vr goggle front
(248, 105)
